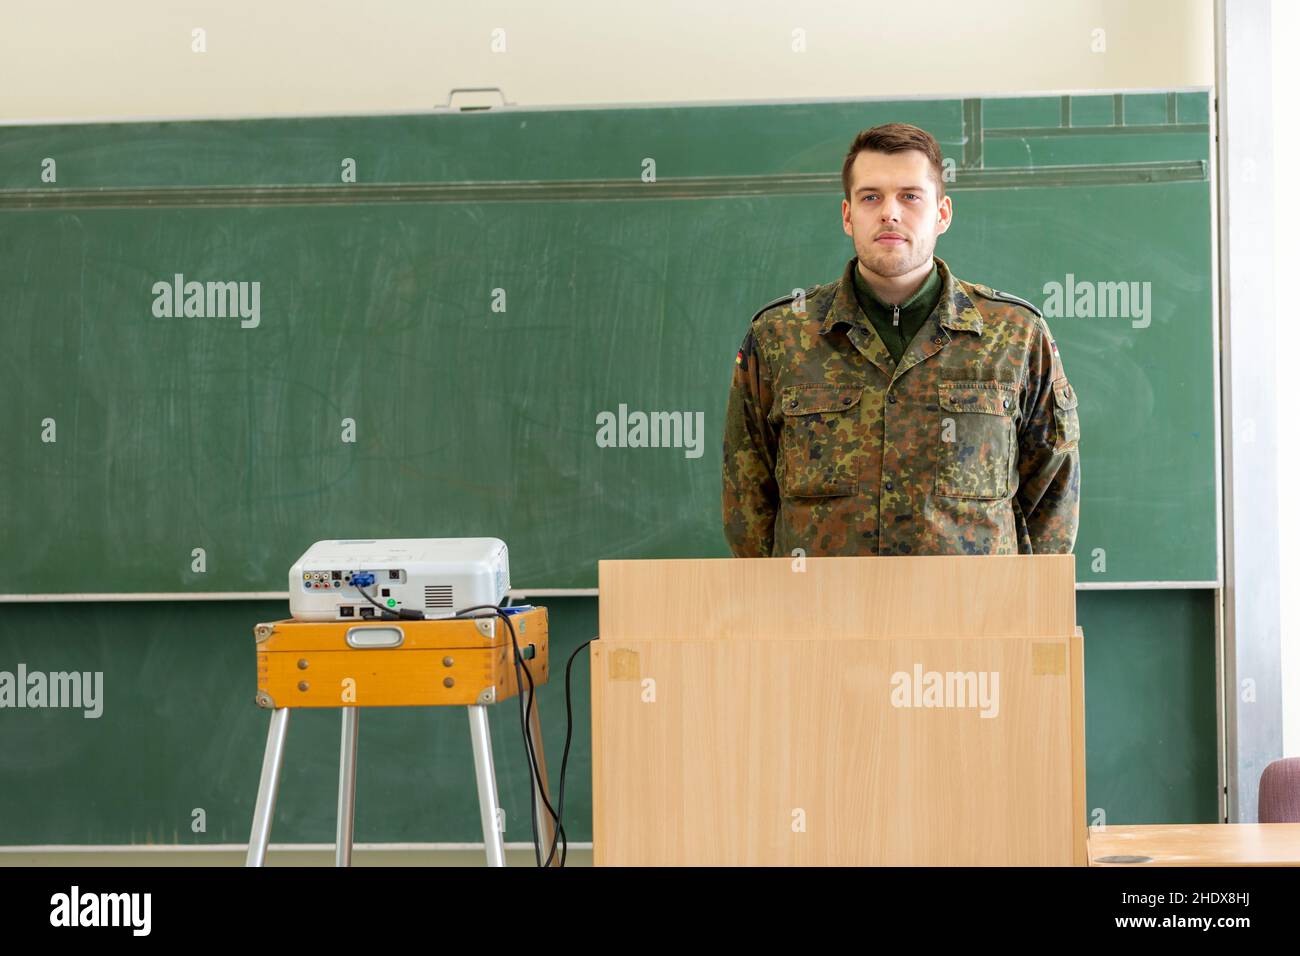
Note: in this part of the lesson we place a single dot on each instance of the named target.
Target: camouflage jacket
(969, 446)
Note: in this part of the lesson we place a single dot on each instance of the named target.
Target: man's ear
(944, 222)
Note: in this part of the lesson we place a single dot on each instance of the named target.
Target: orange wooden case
(447, 662)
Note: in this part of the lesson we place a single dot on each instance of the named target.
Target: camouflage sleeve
(1049, 449)
(749, 492)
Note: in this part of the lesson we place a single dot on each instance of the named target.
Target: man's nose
(889, 210)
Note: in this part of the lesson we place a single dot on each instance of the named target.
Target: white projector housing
(435, 576)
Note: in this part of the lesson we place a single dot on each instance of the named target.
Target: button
(1006, 403)
(845, 400)
(893, 399)
(794, 403)
(889, 486)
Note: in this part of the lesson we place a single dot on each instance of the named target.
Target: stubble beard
(897, 260)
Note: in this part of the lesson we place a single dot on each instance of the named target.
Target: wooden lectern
(838, 711)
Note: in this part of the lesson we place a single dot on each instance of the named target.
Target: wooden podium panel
(747, 714)
(767, 599)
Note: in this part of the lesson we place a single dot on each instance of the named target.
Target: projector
(435, 577)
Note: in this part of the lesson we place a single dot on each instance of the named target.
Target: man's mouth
(890, 238)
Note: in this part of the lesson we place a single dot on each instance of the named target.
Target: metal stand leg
(545, 824)
(347, 787)
(264, 812)
(487, 785)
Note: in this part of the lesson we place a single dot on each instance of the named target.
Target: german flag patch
(741, 352)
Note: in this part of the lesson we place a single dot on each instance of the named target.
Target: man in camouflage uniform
(851, 434)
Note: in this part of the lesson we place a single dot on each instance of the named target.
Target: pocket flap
(1066, 397)
(814, 399)
(989, 398)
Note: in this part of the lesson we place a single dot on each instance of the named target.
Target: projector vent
(437, 596)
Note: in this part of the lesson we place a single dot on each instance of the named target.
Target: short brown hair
(894, 138)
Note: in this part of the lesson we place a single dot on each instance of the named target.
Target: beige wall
(89, 59)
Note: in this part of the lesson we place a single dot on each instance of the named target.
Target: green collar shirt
(910, 315)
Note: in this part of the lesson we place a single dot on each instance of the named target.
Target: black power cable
(525, 716)
(564, 762)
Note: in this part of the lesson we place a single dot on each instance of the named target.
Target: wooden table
(1203, 844)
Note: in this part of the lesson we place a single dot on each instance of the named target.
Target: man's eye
(913, 195)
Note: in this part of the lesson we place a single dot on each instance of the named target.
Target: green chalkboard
(436, 342)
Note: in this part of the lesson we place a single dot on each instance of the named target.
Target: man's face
(894, 195)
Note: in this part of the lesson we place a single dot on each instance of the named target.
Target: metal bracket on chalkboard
(469, 97)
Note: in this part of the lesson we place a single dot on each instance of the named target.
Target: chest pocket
(976, 439)
(818, 439)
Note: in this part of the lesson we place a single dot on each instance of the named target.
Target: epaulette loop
(999, 296)
(775, 302)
